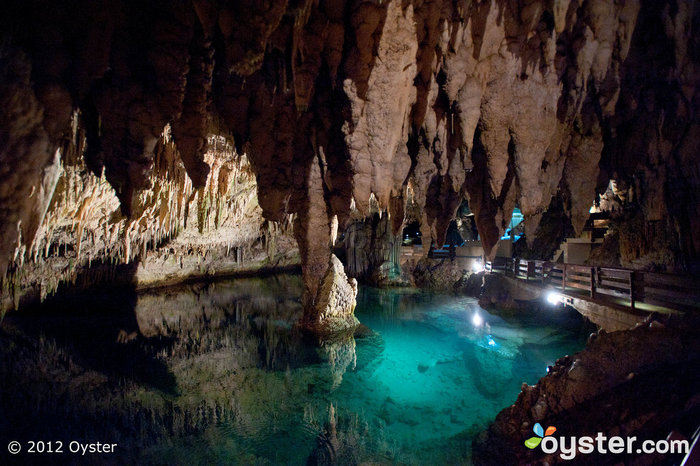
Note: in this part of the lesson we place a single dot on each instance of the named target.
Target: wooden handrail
(605, 283)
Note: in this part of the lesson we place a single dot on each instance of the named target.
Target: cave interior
(273, 232)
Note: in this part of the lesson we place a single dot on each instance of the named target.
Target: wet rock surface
(335, 304)
(438, 274)
(509, 295)
(616, 385)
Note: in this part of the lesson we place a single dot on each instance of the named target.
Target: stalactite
(83, 227)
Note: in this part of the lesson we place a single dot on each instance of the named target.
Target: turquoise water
(217, 374)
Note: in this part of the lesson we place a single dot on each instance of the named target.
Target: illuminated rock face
(339, 104)
(334, 307)
(599, 390)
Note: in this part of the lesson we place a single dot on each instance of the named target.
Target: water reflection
(218, 373)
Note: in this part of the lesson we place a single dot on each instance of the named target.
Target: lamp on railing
(554, 298)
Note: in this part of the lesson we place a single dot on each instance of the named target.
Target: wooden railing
(623, 286)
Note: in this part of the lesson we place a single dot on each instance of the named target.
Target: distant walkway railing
(633, 288)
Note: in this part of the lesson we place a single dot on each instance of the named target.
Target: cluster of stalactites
(83, 223)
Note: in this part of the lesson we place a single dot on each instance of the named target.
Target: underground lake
(217, 373)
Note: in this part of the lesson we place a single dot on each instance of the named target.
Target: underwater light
(553, 297)
(477, 320)
(492, 342)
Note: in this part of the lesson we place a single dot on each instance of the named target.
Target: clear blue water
(239, 385)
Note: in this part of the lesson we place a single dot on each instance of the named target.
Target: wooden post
(544, 272)
(632, 289)
(563, 278)
(593, 278)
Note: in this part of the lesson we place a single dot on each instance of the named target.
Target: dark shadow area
(97, 326)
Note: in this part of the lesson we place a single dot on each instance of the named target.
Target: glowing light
(492, 342)
(477, 267)
(477, 320)
(553, 297)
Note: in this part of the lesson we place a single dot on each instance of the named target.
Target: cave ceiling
(341, 105)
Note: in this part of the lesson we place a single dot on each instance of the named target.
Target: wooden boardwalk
(618, 287)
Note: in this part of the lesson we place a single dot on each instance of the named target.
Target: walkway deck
(636, 291)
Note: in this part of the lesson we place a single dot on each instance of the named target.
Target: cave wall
(176, 231)
(371, 251)
(340, 103)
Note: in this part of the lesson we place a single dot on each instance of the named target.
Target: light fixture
(477, 267)
(553, 297)
(477, 320)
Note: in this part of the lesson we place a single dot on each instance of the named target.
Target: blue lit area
(416, 385)
(515, 220)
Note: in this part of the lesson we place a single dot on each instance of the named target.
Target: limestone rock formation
(334, 306)
(341, 103)
(612, 386)
(509, 295)
(372, 251)
(177, 231)
(439, 274)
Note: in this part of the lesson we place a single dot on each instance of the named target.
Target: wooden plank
(583, 286)
(603, 276)
(580, 286)
(579, 277)
(617, 273)
(608, 283)
(615, 293)
(578, 268)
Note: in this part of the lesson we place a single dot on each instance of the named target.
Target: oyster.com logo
(569, 447)
(534, 442)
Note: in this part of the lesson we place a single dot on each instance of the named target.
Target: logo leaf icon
(532, 442)
(538, 430)
(550, 430)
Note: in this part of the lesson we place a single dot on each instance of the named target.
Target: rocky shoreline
(616, 386)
